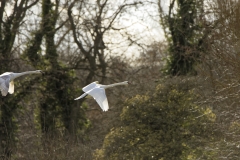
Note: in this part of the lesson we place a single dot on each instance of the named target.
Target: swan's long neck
(115, 84)
(16, 75)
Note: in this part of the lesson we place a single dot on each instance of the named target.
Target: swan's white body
(97, 91)
(7, 83)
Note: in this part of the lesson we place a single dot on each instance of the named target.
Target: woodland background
(183, 101)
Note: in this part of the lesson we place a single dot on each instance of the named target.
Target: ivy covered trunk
(58, 109)
(185, 31)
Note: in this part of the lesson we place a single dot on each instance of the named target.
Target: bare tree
(89, 27)
(220, 72)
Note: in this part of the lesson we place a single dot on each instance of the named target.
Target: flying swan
(97, 91)
(6, 80)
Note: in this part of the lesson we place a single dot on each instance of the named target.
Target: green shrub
(165, 124)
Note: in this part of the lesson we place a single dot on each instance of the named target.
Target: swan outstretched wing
(90, 86)
(100, 96)
(83, 95)
(4, 84)
(11, 87)
(87, 89)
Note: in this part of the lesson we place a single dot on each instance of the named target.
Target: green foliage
(164, 125)
(57, 103)
(33, 49)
